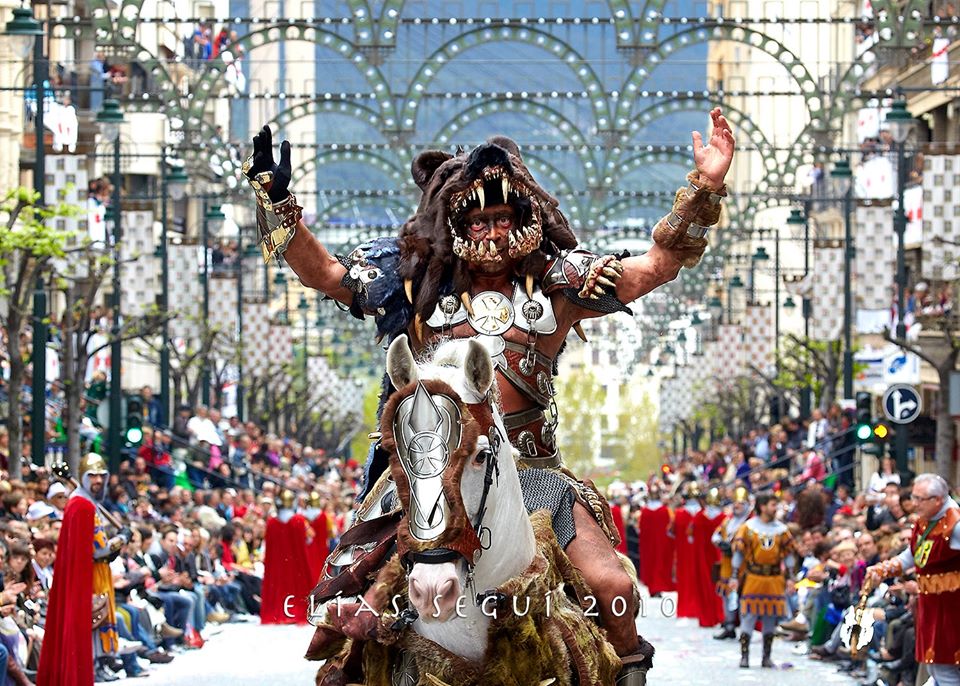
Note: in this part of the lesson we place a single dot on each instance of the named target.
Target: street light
(759, 256)
(789, 304)
(844, 176)
(212, 220)
(303, 307)
(280, 281)
(110, 118)
(173, 184)
(736, 283)
(901, 124)
(798, 218)
(23, 32)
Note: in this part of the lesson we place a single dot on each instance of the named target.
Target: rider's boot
(635, 667)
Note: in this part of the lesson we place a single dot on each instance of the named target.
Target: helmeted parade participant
(488, 254)
(656, 545)
(763, 558)
(934, 554)
(81, 574)
(723, 539)
(706, 555)
(317, 549)
(287, 580)
(688, 591)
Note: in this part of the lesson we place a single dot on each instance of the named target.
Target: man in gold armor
(762, 560)
(723, 540)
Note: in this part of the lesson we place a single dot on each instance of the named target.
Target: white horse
(443, 593)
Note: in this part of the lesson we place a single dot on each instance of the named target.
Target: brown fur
(426, 246)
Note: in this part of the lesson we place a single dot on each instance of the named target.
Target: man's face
(866, 546)
(169, 543)
(492, 224)
(96, 482)
(770, 508)
(927, 504)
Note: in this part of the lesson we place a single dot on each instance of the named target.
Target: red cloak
(711, 604)
(688, 595)
(66, 654)
(616, 511)
(657, 549)
(317, 549)
(286, 572)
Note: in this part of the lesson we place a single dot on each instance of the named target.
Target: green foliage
(636, 437)
(360, 443)
(579, 398)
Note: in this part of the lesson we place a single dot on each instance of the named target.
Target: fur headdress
(453, 184)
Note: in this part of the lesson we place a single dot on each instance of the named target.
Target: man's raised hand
(263, 162)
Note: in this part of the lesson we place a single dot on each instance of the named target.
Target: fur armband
(695, 208)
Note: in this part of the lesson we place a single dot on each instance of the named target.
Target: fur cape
(522, 650)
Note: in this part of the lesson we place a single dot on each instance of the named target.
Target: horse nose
(434, 590)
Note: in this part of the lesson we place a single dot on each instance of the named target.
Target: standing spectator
(886, 474)
(153, 410)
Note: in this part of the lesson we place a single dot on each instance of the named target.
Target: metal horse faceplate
(427, 431)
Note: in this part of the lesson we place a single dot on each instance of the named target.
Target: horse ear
(478, 368)
(401, 366)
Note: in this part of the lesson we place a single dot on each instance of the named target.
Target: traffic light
(864, 422)
(133, 427)
(877, 442)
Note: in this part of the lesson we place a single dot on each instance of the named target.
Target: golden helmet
(93, 464)
(693, 490)
(713, 497)
(315, 500)
(286, 498)
(741, 495)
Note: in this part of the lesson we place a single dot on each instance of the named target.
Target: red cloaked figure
(688, 595)
(616, 511)
(287, 578)
(657, 547)
(318, 548)
(66, 656)
(705, 522)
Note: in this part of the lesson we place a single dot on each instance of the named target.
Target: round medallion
(449, 304)
(543, 384)
(532, 310)
(492, 313)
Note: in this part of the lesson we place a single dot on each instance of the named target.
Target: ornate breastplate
(525, 367)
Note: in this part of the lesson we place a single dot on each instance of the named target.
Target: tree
(81, 281)
(27, 245)
(809, 362)
(580, 396)
(636, 435)
(943, 358)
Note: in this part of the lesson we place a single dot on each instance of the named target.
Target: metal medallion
(527, 365)
(544, 385)
(532, 310)
(492, 313)
(527, 444)
(449, 304)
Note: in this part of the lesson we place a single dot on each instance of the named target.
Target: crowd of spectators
(197, 496)
(840, 529)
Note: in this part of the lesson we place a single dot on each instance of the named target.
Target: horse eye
(482, 456)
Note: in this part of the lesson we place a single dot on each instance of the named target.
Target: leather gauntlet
(695, 208)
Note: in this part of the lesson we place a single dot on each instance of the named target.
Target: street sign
(902, 404)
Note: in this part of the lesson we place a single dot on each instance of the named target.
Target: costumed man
(656, 545)
(82, 580)
(287, 579)
(723, 539)
(688, 593)
(707, 557)
(934, 554)
(318, 548)
(763, 560)
(489, 254)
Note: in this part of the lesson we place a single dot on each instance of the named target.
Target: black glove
(126, 534)
(263, 161)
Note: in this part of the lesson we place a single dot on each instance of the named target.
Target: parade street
(254, 655)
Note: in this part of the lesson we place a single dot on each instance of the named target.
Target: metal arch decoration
(323, 105)
(654, 201)
(364, 157)
(548, 114)
(647, 158)
(299, 30)
(734, 33)
(343, 203)
(648, 28)
(392, 9)
(539, 164)
(363, 28)
(362, 236)
(523, 34)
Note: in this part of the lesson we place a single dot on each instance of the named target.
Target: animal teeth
(480, 197)
(511, 239)
(482, 250)
(505, 185)
(493, 249)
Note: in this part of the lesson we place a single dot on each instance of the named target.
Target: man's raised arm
(280, 223)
